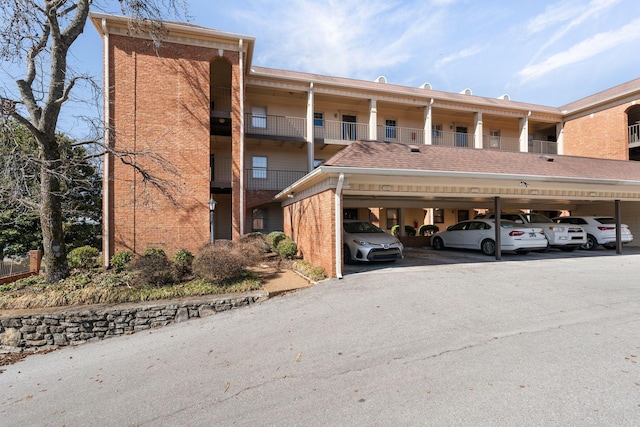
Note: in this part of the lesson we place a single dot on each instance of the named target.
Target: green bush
(183, 262)
(408, 230)
(428, 230)
(312, 272)
(220, 263)
(155, 251)
(120, 260)
(275, 237)
(152, 268)
(84, 257)
(287, 248)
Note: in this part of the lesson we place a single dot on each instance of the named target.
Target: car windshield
(361, 227)
(535, 217)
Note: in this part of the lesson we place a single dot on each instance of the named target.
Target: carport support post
(618, 228)
(498, 214)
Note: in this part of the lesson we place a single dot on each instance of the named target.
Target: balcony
(267, 179)
(452, 139)
(401, 135)
(500, 143)
(281, 127)
(543, 147)
(341, 132)
(634, 135)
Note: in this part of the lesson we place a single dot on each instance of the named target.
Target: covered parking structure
(376, 174)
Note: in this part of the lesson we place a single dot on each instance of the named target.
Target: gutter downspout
(338, 220)
(106, 194)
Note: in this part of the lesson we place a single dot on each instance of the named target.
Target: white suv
(601, 230)
(566, 237)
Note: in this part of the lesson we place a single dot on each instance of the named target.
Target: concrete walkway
(540, 342)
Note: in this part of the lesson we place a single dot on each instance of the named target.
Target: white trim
(106, 229)
(338, 220)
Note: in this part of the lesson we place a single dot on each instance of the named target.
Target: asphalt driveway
(551, 342)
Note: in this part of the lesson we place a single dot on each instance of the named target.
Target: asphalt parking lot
(428, 256)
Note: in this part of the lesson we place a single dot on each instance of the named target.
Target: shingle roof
(396, 156)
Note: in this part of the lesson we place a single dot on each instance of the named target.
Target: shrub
(183, 262)
(276, 237)
(428, 230)
(254, 245)
(152, 268)
(220, 262)
(84, 257)
(408, 230)
(312, 272)
(120, 260)
(155, 251)
(287, 248)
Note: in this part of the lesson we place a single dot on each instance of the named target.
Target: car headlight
(557, 229)
(361, 242)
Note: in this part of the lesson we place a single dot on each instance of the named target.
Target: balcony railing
(634, 135)
(268, 179)
(400, 134)
(281, 126)
(220, 171)
(500, 143)
(13, 267)
(543, 147)
(220, 99)
(341, 131)
(452, 139)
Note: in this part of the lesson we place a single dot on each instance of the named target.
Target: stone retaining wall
(71, 326)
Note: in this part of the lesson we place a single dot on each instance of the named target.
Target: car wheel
(346, 255)
(488, 247)
(591, 244)
(437, 243)
(568, 248)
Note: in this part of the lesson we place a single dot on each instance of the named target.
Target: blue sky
(548, 52)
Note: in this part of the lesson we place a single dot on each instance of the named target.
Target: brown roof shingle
(396, 156)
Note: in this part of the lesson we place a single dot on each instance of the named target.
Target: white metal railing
(634, 134)
(400, 134)
(342, 131)
(294, 127)
(500, 143)
(543, 147)
(452, 139)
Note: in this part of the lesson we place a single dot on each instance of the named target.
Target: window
(350, 213)
(392, 218)
(259, 219)
(318, 119)
(463, 215)
(259, 167)
(259, 117)
(436, 133)
(390, 129)
(317, 162)
(438, 216)
(495, 139)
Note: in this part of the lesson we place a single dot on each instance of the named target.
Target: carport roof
(395, 156)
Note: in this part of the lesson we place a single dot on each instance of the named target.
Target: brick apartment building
(292, 151)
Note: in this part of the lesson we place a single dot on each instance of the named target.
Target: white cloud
(584, 50)
(464, 53)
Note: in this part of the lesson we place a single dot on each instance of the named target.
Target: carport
(383, 175)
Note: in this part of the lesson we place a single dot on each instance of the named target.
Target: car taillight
(516, 233)
(603, 228)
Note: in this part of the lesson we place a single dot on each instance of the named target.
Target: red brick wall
(160, 104)
(311, 224)
(602, 134)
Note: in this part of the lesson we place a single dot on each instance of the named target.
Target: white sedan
(364, 241)
(480, 234)
(601, 230)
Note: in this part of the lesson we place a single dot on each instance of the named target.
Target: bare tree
(40, 33)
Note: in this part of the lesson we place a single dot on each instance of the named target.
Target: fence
(11, 271)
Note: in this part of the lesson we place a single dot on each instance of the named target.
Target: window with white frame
(436, 131)
(390, 129)
(259, 219)
(438, 215)
(494, 138)
(393, 218)
(259, 167)
(259, 117)
(318, 119)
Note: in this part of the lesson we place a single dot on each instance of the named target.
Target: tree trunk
(55, 254)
